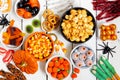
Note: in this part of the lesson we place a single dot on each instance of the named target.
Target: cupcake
(89, 54)
(82, 57)
(75, 56)
(88, 62)
(82, 49)
(79, 63)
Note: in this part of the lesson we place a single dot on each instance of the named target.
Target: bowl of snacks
(27, 9)
(12, 37)
(77, 25)
(58, 67)
(82, 56)
(40, 45)
(50, 20)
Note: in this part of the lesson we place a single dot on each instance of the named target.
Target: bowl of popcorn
(77, 25)
(40, 45)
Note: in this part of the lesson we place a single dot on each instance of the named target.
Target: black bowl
(88, 14)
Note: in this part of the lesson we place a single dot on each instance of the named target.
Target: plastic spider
(3, 20)
(106, 49)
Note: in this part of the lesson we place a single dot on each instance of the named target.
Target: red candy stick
(8, 56)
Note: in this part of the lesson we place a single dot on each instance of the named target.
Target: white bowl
(15, 8)
(10, 46)
(66, 78)
(75, 50)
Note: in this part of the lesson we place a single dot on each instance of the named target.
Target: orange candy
(27, 15)
(108, 32)
(58, 67)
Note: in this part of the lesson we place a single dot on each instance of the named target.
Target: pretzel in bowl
(51, 20)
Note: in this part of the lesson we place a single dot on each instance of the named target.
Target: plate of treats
(82, 56)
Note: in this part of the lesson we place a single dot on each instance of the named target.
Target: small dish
(49, 20)
(82, 56)
(27, 10)
(40, 45)
(57, 58)
(12, 44)
(80, 24)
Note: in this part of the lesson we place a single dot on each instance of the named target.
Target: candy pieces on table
(36, 23)
(108, 32)
(82, 56)
(60, 45)
(14, 74)
(29, 29)
(51, 20)
(5, 6)
(13, 35)
(75, 72)
(104, 70)
(25, 62)
(8, 54)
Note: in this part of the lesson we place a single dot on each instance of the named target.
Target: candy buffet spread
(59, 40)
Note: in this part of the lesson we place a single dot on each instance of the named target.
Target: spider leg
(108, 56)
(3, 26)
(101, 45)
(3, 15)
(6, 15)
(105, 44)
(100, 49)
(111, 53)
(113, 47)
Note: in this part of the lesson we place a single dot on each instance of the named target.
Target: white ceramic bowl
(15, 8)
(10, 46)
(76, 50)
(66, 78)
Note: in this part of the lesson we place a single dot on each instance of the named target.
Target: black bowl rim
(89, 13)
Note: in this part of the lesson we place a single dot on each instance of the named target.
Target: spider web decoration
(107, 49)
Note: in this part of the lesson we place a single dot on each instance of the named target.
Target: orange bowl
(40, 45)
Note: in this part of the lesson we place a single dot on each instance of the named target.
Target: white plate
(76, 50)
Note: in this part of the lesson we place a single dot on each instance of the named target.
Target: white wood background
(92, 43)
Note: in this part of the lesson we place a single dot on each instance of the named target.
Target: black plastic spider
(106, 49)
(3, 20)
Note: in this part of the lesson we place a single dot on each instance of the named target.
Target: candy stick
(102, 65)
(98, 70)
(110, 67)
(97, 75)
